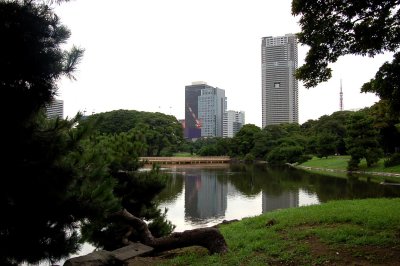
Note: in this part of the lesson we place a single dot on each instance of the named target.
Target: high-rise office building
(279, 86)
(233, 122)
(212, 106)
(204, 111)
(55, 109)
(192, 122)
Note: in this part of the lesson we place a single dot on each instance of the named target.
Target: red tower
(341, 96)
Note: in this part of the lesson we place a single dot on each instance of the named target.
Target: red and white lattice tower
(341, 96)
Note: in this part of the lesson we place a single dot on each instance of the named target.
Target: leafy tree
(308, 129)
(31, 58)
(213, 146)
(208, 150)
(335, 28)
(326, 145)
(393, 160)
(249, 158)
(41, 208)
(161, 133)
(329, 132)
(117, 155)
(263, 143)
(386, 122)
(57, 180)
(386, 83)
(362, 140)
(243, 141)
(286, 154)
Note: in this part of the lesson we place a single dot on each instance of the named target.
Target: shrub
(393, 160)
(249, 158)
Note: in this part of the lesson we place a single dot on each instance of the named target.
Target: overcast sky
(140, 54)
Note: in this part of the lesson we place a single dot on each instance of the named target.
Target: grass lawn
(332, 162)
(350, 232)
(340, 162)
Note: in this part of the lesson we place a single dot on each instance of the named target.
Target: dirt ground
(361, 255)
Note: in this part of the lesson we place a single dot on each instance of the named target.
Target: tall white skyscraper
(279, 86)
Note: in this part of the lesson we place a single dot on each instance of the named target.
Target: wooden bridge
(186, 160)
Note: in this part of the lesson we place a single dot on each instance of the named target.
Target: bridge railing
(179, 160)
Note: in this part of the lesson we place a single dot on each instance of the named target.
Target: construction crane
(198, 122)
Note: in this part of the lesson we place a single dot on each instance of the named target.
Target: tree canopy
(40, 209)
(59, 178)
(386, 83)
(161, 133)
(335, 28)
(32, 60)
(362, 140)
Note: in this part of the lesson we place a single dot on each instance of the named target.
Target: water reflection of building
(286, 199)
(205, 196)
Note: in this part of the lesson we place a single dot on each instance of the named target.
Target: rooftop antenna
(341, 96)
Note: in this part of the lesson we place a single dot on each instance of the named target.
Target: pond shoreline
(345, 171)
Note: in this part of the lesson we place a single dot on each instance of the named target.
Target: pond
(199, 196)
(205, 195)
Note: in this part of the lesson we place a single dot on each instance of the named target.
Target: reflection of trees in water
(173, 188)
(329, 188)
(243, 178)
(251, 179)
(274, 183)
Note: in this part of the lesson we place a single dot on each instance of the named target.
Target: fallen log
(208, 237)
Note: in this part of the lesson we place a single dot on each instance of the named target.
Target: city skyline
(146, 52)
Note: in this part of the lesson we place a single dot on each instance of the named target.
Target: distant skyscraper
(212, 106)
(55, 109)
(192, 123)
(279, 86)
(233, 122)
(204, 111)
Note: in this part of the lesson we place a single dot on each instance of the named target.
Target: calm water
(204, 196)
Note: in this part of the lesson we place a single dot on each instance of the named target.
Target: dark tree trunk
(208, 237)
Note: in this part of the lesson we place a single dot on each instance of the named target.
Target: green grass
(379, 167)
(349, 226)
(332, 162)
(340, 162)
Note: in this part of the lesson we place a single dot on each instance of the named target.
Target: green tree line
(370, 134)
